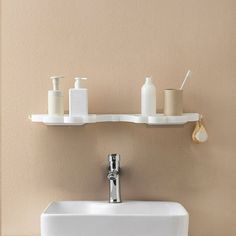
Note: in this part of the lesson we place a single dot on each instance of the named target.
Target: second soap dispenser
(55, 98)
(78, 99)
(148, 98)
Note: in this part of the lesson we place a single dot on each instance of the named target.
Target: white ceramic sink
(132, 218)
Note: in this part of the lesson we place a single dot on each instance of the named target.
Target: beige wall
(116, 44)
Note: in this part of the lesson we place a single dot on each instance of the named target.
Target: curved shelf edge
(158, 119)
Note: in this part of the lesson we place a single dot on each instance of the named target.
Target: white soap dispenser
(148, 98)
(78, 99)
(55, 98)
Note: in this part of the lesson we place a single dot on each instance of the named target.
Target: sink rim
(113, 206)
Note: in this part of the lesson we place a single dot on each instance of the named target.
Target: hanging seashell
(200, 134)
(197, 126)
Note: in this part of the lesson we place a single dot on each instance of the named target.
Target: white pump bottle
(78, 99)
(55, 98)
(148, 98)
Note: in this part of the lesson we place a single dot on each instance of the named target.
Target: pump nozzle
(55, 81)
(77, 82)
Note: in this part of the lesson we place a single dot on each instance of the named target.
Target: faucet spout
(114, 178)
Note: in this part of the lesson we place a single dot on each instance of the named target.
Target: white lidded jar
(78, 99)
(55, 98)
(148, 98)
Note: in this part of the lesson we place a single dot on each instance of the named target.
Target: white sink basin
(132, 218)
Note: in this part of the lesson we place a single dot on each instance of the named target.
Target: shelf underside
(158, 119)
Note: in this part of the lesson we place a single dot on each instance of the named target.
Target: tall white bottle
(148, 98)
(78, 99)
(55, 98)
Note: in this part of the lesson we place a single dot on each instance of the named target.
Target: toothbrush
(188, 74)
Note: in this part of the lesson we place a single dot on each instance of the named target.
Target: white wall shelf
(158, 119)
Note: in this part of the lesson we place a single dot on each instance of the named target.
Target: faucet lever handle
(114, 157)
(114, 162)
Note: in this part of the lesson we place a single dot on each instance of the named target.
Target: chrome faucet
(114, 178)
